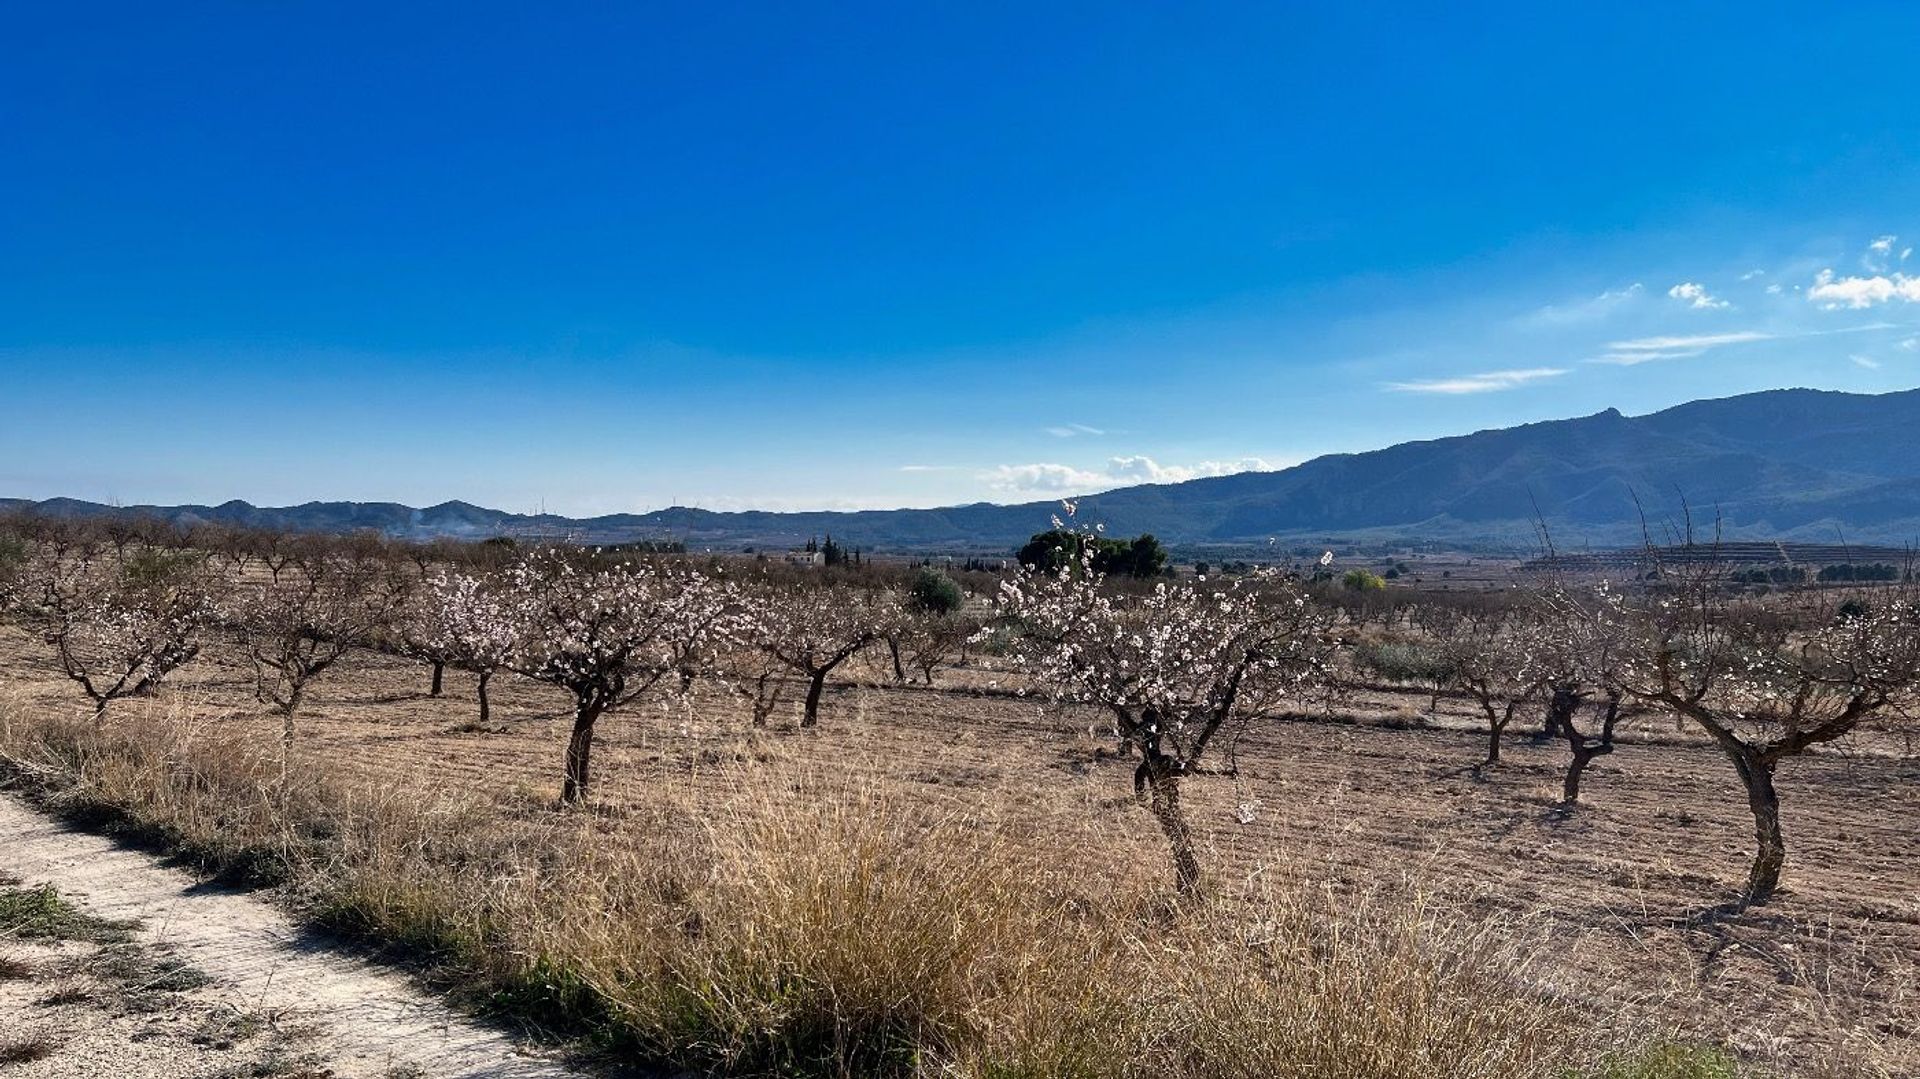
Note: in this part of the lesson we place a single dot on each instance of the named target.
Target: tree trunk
(766, 697)
(439, 672)
(1560, 708)
(1496, 725)
(899, 672)
(486, 710)
(579, 754)
(1570, 788)
(1770, 852)
(1566, 704)
(814, 688)
(1164, 786)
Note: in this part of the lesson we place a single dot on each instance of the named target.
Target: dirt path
(368, 1021)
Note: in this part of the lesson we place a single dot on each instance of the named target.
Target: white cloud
(1044, 477)
(1069, 430)
(1911, 344)
(1834, 293)
(1751, 274)
(928, 468)
(1485, 382)
(1867, 362)
(1142, 469)
(1773, 289)
(1697, 297)
(1048, 478)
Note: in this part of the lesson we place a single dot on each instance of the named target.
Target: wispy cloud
(928, 468)
(1072, 430)
(1751, 274)
(1673, 347)
(1589, 310)
(1679, 346)
(1879, 254)
(1696, 296)
(1052, 478)
(1867, 362)
(1484, 382)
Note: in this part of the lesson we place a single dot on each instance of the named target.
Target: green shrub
(933, 592)
(1360, 580)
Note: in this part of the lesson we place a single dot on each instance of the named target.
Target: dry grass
(25, 1048)
(793, 919)
(15, 969)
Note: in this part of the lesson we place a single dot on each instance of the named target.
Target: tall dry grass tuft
(778, 922)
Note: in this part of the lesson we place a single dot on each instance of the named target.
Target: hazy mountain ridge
(1794, 464)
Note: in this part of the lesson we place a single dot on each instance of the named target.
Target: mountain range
(1793, 464)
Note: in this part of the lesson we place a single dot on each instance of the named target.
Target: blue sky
(613, 257)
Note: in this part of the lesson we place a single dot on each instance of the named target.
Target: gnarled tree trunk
(1497, 721)
(486, 710)
(1770, 852)
(816, 686)
(1160, 779)
(439, 672)
(1584, 749)
(580, 753)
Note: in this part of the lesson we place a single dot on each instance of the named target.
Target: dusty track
(368, 1021)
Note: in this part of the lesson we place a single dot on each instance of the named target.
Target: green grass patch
(41, 914)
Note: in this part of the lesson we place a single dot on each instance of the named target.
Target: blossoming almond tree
(119, 628)
(605, 632)
(1493, 656)
(812, 630)
(1176, 667)
(306, 618)
(1767, 682)
(417, 634)
(463, 617)
(923, 640)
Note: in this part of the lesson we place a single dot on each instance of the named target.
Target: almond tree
(1176, 667)
(1570, 648)
(1494, 658)
(464, 618)
(13, 567)
(310, 615)
(118, 629)
(1488, 653)
(416, 635)
(923, 640)
(1765, 682)
(812, 631)
(605, 632)
(710, 619)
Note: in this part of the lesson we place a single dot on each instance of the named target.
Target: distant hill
(1789, 464)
